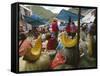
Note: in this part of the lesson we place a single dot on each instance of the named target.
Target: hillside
(47, 14)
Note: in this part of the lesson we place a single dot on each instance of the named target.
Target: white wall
(5, 29)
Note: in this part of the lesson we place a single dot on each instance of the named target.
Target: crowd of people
(49, 33)
(51, 42)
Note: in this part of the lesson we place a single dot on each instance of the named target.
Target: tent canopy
(64, 15)
(35, 20)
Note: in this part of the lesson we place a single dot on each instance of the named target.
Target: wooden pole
(78, 39)
(79, 15)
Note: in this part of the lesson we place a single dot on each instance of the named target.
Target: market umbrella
(35, 20)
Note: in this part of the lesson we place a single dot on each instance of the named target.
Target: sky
(55, 9)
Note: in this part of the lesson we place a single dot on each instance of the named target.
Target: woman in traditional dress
(71, 28)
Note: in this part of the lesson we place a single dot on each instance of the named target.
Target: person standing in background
(71, 28)
(54, 27)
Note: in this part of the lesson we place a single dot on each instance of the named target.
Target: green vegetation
(47, 14)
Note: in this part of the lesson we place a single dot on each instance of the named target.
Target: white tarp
(88, 18)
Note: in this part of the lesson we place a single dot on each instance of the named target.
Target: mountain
(47, 14)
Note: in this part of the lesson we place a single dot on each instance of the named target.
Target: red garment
(58, 60)
(54, 26)
(71, 29)
(52, 43)
(23, 48)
